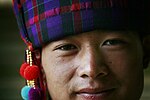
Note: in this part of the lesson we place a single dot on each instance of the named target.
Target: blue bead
(24, 92)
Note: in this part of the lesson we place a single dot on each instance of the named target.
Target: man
(88, 50)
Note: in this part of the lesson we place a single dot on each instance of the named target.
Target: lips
(94, 94)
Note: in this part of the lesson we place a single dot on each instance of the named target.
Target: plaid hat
(43, 21)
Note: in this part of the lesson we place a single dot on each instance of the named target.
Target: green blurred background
(12, 56)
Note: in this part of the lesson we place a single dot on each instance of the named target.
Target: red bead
(23, 67)
(31, 72)
(30, 46)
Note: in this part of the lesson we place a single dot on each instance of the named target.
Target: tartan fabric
(42, 21)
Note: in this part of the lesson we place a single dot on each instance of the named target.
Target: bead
(34, 94)
(31, 83)
(30, 47)
(31, 72)
(24, 92)
(23, 67)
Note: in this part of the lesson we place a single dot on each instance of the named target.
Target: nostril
(93, 71)
(84, 76)
(102, 74)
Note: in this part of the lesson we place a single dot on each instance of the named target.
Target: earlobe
(146, 46)
(37, 54)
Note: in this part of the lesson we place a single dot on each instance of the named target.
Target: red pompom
(31, 72)
(22, 68)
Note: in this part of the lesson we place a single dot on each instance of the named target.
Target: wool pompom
(22, 68)
(35, 94)
(25, 92)
(31, 72)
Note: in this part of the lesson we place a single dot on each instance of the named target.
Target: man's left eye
(113, 42)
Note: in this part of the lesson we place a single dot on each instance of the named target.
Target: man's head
(101, 43)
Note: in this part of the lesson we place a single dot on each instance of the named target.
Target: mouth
(94, 94)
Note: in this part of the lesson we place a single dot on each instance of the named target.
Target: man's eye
(66, 47)
(113, 42)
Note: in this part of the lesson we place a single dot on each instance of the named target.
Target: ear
(37, 54)
(146, 46)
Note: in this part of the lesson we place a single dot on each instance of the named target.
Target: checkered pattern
(42, 21)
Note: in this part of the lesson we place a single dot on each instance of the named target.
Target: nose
(92, 64)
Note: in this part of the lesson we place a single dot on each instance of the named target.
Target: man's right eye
(66, 47)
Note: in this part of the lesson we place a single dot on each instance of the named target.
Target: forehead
(105, 33)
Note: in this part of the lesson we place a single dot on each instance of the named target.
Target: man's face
(97, 65)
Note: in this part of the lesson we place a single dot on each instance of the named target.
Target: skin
(97, 65)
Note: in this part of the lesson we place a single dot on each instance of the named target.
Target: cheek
(53, 70)
(126, 61)
(126, 67)
(60, 69)
(57, 69)
(58, 72)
